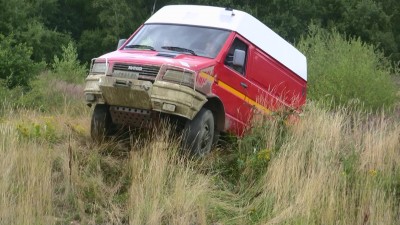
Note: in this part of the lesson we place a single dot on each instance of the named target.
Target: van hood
(156, 58)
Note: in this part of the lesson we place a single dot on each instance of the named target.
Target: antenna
(230, 9)
(154, 7)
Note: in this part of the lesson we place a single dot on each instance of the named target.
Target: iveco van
(209, 68)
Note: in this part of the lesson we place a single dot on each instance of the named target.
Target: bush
(252, 153)
(16, 66)
(346, 71)
(44, 42)
(68, 68)
(91, 44)
(46, 94)
(43, 95)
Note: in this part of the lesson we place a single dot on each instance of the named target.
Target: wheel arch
(217, 108)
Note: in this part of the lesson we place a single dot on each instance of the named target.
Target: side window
(229, 60)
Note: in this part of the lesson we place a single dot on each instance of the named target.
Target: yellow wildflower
(264, 154)
(372, 172)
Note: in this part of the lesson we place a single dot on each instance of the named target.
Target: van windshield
(201, 41)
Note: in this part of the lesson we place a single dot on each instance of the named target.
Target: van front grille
(141, 70)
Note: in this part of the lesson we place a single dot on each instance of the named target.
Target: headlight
(98, 68)
(181, 77)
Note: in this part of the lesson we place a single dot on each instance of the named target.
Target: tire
(199, 133)
(101, 124)
(217, 135)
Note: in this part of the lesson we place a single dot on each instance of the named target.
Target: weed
(44, 130)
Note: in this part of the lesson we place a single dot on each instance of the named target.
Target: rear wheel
(199, 133)
(101, 124)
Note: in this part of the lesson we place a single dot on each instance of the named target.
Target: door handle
(243, 84)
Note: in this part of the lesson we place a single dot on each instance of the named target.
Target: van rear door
(274, 85)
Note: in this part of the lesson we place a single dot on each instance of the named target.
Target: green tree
(16, 66)
(68, 67)
(25, 19)
(45, 43)
(112, 21)
(368, 20)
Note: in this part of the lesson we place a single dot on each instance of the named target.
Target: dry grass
(25, 180)
(329, 168)
(165, 187)
(335, 169)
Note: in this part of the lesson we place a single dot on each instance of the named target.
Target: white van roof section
(241, 22)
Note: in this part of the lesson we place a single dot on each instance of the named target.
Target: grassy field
(331, 167)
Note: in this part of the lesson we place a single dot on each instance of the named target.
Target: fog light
(169, 107)
(90, 97)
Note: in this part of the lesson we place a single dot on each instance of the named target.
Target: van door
(232, 85)
(275, 85)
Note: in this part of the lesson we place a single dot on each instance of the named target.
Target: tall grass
(334, 169)
(165, 187)
(330, 167)
(25, 180)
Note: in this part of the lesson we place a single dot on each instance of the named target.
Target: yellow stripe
(244, 97)
(231, 90)
(236, 93)
(207, 76)
(258, 106)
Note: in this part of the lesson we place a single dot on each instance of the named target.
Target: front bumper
(160, 96)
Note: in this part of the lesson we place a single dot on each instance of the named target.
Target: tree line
(94, 26)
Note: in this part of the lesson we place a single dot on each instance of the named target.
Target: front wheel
(101, 124)
(199, 133)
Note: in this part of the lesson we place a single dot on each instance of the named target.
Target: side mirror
(239, 57)
(120, 43)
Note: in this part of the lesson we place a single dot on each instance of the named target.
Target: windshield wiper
(140, 47)
(179, 49)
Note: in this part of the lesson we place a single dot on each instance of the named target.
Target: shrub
(68, 67)
(44, 130)
(88, 45)
(252, 153)
(45, 94)
(44, 42)
(346, 71)
(16, 66)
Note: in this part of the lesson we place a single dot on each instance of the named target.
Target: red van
(208, 68)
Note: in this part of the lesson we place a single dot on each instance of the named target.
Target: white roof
(241, 22)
